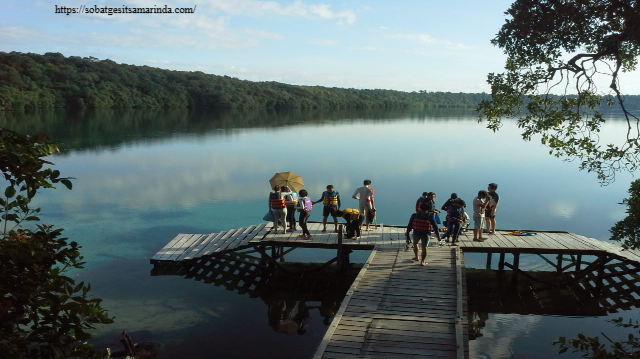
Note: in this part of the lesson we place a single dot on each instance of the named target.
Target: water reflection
(505, 309)
(291, 291)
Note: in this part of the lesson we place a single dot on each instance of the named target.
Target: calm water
(143, 176)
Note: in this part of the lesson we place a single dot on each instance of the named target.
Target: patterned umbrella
(288, 179)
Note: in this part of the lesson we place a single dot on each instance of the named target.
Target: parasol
(289, 179)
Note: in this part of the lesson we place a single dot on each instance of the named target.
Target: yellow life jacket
(329, 199)
(351, 213)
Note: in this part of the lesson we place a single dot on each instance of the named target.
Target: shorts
(329, 210)
(424, 238)
(365, 208)
(490, 212)
(478, 222)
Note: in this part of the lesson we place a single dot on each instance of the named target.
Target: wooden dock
(398, 309)
(192, 246)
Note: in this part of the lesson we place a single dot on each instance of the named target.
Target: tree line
(32, 81)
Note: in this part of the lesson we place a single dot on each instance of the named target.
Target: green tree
(565, 58)
(43, 312)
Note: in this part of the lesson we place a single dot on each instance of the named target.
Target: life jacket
(455, 213)
(351, 214)
(291, 200)
(308, 205)
(421, 223)
(330, 199)
(276, 200)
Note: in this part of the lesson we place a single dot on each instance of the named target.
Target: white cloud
(426, 39)
(296, 9)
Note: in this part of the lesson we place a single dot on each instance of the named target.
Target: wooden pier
(397, 308)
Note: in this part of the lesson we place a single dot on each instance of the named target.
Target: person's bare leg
(335, 223)
(324, 223)
(415, 252)
(424, 256)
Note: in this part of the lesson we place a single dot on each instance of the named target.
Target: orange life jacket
(277, 202)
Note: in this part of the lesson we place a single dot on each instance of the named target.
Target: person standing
(364, 195)
(432, 211)
(291, 200)
(331, 200)
(490, 212)
(480, 204)
(421, 225)
(277, 206)
(304, 207)
(455, 217)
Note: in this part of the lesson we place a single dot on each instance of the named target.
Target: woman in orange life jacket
(421, 226)
(278, 207)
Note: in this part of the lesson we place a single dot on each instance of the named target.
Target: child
(304, 206)
(480, 204)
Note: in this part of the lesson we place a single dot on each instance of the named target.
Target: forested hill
(30, 81)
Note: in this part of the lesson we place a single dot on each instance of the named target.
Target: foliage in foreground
(564, 61)
(43, 312)
(593, 348)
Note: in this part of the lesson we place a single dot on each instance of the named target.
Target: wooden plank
(186, 245)
(167, 247)
(175, 247)
(193, 251)
(336, 319)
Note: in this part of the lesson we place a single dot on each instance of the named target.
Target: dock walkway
(398, 309)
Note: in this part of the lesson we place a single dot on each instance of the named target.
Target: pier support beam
(501, 262)
(489, 260)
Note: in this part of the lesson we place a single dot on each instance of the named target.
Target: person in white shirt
(364, 195)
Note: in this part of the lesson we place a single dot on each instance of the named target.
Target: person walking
(304, 206)
(364, 195)
(420, 224)
(331, 200)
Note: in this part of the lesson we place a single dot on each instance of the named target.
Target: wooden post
(600, 274)
(516, 261)
(501, 262)
(489, 260)
(559, 265)
(340, 254)
(578, 262)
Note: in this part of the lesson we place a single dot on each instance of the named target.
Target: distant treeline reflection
(92, 128)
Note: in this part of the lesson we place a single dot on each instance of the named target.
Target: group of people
(425, 220)
(284, 203)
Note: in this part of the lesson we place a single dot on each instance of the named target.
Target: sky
(400, 45)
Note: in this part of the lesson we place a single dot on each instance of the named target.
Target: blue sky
(401, 45)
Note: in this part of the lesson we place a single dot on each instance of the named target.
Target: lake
(143, 176)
